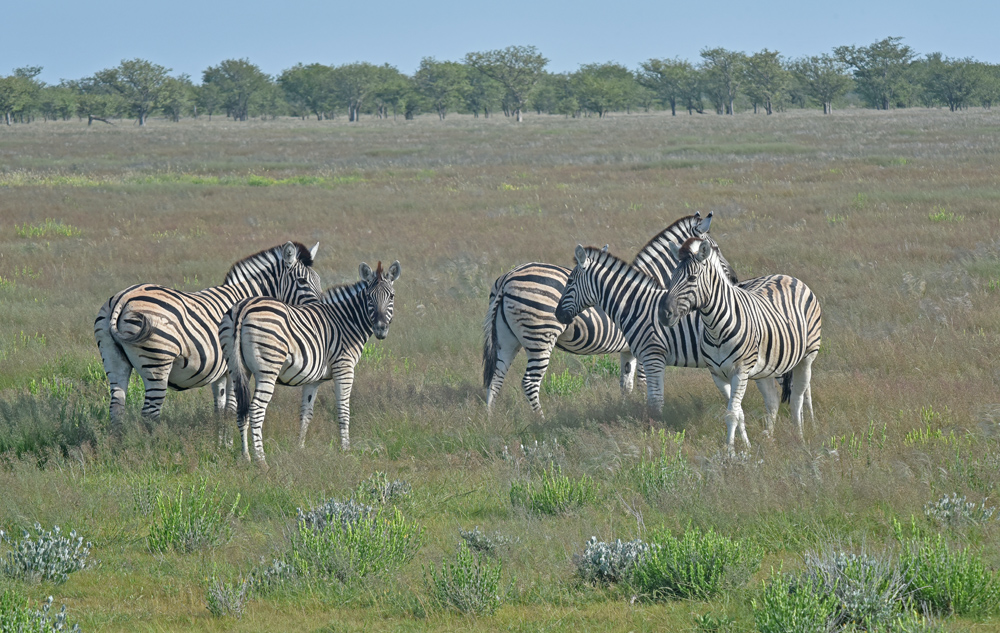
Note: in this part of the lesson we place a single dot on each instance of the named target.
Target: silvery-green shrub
(46, 556)
(609, 562)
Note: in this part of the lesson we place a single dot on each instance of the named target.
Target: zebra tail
(490, 340)
(786, 386)
(143, 333)
(237, 368)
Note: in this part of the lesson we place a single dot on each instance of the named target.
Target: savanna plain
(892, 218)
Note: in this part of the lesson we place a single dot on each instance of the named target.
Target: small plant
(227, 598)
(48, 556)
(379, 490)
(489, 544)
(711, 623)
(266, 578)
(197, 520)
(539, 456)
(373, 355)
(602, 365)
(860, 202)
(697, 565)
(17, 616)
(790, 604)
(666, 471)
(555, 494)
(940, 214)
(954, 511)
(46, 228)
(869, 591)
(350, 540)
(470, 584)
(563, 384)
(606, 563)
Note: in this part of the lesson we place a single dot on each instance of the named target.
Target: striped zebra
(631, 297)
(304, 345)
(750, 333)
(171, 337)
(522, 314)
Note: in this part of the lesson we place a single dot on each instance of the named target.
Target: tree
(880, 70)
(57, 102)
(723, 71)
(766, 79)
(484, 93)
(309, 89)
(554, 94)
(516, 68)
(954, 82)
(441, 83)
(238, 83)
(138, 82)
(96, 100)
(178, 97)
(19, 93)
(603, 88)
(392, 89)
(824, 78)
(672, 81)
(989, 86)
(355, 83)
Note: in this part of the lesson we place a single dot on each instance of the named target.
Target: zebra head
(580, 292)
(379, 295)
(299, 283)
(688, 288)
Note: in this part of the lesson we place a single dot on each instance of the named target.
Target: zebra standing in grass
(521, 314)
(750, 333)
(171, 338)
(631, 297)
(304, 345)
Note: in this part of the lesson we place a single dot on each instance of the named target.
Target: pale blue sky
(75, 39)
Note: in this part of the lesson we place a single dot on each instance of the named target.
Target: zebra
(750, 333)
(171, 337)
(304, 345)
(631, 297)
(521, 314)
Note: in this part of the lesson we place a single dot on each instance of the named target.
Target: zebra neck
(717, 312)
(626, 291)
(349, 300)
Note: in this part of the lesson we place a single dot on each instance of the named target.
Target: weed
(17, 616)
(954, 511)
(48, 556)
(489, 544)
(373, 354)
(470, 584)
(710, 623)
(554, 494)
(790, 604)
(379, 490)
(860, 202)
(603, 563)
(697, 565)
(666, 471)
(198, 520)
(47, 228)
(602, 365)
(869, 591)
(227, 598)
(540, 456)
(563, 384)
(940, 214)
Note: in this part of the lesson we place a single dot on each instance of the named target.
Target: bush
(954, 511)
(194, 521)
(378, 490)
(49, 556)
(609, 562)
(789, 604)
(350, 540)
(227, 597)
(555, 494)
(667, 471)
(17, 616)
(479, 541)
(697, 565)
(470, 585)
(869, 591)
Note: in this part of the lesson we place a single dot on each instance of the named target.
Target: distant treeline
(884, 75)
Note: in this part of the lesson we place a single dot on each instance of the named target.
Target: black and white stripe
(171, 338)
(304, 345)
(753, 332)
(522, 314)
(631, 298)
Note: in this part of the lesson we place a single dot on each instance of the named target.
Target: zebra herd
(268, 318)
(678, 304)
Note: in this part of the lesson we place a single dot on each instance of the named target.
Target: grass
(903, 386)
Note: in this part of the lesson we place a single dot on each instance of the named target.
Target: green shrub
(47, 228)
(49, 556)
(350, 540)
(697, 565)
(563, 384)
(470, 584)
(603, 365)
(45, 424)
(197, 520)
(17, 616)
(666, 471)
(227, 598)
(789, 604)
(868, 590)
(489, 544)
(554, 494)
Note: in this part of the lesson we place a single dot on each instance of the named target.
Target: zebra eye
(691, 278)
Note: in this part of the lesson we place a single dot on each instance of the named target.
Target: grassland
(891, 218)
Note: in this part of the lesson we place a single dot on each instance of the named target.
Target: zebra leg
(155, 381)
(308, 402)
(531, 384)
(230, 395)
(220, 389)
(262, 394)
(769, 390)
(801, 375)
(734, 413)
(654, 382)
(119, 372)
(507, 348)
(343, 382)
(628, 371)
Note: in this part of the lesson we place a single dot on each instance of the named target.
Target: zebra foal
(750, 333)
(171, 338)
(304, 345)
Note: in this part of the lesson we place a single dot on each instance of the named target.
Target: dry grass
(889, 217)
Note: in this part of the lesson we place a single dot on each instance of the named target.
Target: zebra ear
(605, 249)
(702, 226)
(675, 250)
(394, 271)
(289, 254)
(580, 254)
(312, 251)
(366, 273)
(704, 250)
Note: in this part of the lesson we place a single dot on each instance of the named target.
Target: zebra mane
(342, 292)
(688, 248)
(606, 258)
(655, 259)
(269, 256)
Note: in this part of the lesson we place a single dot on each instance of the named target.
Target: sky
(72, 39)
